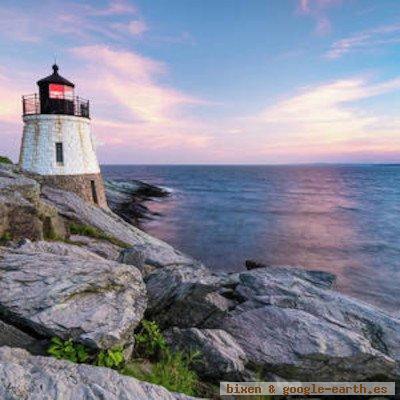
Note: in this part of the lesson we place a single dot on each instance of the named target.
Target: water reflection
(337, 218)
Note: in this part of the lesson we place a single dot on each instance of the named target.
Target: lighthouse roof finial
(55, 78)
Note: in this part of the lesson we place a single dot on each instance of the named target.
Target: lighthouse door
(94, 193)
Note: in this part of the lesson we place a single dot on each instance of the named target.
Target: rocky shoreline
(129, 199)
(96, 285)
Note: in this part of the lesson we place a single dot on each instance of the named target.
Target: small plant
(68, 350)
(5, 238)
(149, 341)
(87, 230)
(111, 358)
(5, 160)
(174, 372)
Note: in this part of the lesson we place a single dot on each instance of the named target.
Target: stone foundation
(82, 186)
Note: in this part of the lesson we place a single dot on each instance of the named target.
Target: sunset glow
(291, 81)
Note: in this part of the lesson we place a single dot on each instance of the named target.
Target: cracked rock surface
(27, 377)
(288, 322)
(55, 289)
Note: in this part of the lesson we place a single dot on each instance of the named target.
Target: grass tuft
(5, 238)
(171, 369)
(91, 231)
(5, 160)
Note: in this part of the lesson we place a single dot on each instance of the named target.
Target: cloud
(322, 121)
(134, 108)
(317, 9)
(115, 7)
(137, 27)
(74, 20)
(134, 27)
(10, 100)
(368, 40)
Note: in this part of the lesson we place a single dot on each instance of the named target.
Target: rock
(103, 248)
(287, 321)
(150, 256)
(27, 377)
(252, 264)
(58, 248)
(126, 198)
(22, 213)
(135, 256)
(221, 358)
(72, 207)
(13, 337)
(74, 294)
(173, 291)
(295, 345)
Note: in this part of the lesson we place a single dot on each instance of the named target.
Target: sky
(214, 81)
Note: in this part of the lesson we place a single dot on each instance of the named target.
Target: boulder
(57, 248)
(288, 321)
(27, 377)
(147, 257)
(22, 213)
(173, 291)
(103, 248)
(56, 289)
(13, 337)
(127, 198)
(72, 207)
(220, 356)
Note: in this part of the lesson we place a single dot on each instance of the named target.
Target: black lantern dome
(55, 78)
(56, 96)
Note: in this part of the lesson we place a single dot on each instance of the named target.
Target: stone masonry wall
(81, 185)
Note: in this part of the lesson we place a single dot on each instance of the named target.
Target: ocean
(344, 219)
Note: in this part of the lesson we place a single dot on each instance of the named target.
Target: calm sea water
(342, 219)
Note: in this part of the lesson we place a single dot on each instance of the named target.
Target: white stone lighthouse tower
(57, 142)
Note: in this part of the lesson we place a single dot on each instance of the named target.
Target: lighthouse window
(57, 91)
(59, 153)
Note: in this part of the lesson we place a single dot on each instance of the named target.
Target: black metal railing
(32, 104)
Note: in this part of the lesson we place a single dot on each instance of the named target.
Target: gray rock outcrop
(128, 198)
(13, 337)
(27, 377)
(173, 291)
(152, 255)
(22, 213)
(286, 320)
(103, 248)
(220, 357)
(55, 289)
(70, 206)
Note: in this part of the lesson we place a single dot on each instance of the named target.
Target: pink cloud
(74, 19)
(115, 7)
(322, 121)
(369, 40)
(318, 9)
(137, 27)
(145, 113)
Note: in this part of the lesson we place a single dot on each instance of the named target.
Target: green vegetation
(5, 160)
(171, 369)
(150, 342)
(87, 230)
(5, 238)
(161, 365)
(111, 358)
(174, 372)
(68, 350)
(53, 237)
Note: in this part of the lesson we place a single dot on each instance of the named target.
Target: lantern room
(56, 96)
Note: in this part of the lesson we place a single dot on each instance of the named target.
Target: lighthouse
(57, 142)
